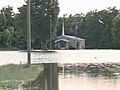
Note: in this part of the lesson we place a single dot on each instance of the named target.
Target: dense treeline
(41, 13)
(101, 29)
(96, 27)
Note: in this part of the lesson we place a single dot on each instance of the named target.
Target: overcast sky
(71, 6)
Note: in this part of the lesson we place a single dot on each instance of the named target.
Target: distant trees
(95, 27)
(101, 29)
(41, 10)
(116, 31)
(97, 34)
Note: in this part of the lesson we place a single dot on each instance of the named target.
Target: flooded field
(61, 56)
(85, 82)
(72, 80)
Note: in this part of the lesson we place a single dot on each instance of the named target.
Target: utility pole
(50, 32)
(28, 32)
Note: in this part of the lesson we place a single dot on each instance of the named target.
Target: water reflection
(83, 82)
(89, 77)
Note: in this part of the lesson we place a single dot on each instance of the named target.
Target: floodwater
(61, 56)
(85, 82)
(71, 81)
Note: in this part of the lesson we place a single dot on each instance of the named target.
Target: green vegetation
(11, 76)
(13, 26)
(41, 10)
(6, 27)
(100, 29)
(95, 27)
(116, 31)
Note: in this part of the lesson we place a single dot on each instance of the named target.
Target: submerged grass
(12, 75)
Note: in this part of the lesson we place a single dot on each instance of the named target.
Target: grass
(12, 75)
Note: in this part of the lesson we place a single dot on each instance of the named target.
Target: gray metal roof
(62, 40)
(71, 37)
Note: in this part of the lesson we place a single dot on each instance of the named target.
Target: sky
(70, 6)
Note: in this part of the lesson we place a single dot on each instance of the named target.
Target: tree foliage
(116, 31)
(97, 34)
(100, 29)
(40, 21)
(6, 27)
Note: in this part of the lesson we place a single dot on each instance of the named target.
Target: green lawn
(12, 75)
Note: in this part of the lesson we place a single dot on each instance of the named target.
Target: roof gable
(70, 37)
(61, 40)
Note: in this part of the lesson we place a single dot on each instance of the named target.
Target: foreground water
(85, 82)
(71, 81)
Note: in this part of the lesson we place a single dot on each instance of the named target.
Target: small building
(69, 42)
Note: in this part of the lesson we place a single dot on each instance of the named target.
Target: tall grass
(12, 75)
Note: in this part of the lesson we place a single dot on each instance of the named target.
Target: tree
(107, 16)
(6, 26)
(97, 35)
(116, 32)
(40, 21)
